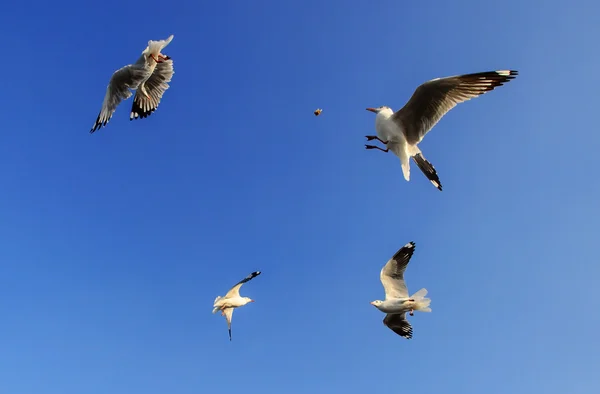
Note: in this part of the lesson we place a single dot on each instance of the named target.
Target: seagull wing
(228, 314)
(398, 324)
(433, 99)
(392, 273)
(125, 78)
(235, 290)
(156, 86)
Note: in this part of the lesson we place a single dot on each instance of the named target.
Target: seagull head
(381, 110)
(377, 303)
(248, 300)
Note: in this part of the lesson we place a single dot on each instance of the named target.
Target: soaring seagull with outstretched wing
(401, 131)
(232, 300)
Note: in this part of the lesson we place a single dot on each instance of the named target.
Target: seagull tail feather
(155, 47)
(420, 294)
(216, 308)
(421, 303)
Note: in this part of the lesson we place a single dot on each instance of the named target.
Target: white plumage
(401, 131)
(149, 76)
(232, 300)
(397, 301)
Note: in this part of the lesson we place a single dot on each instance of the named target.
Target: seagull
(397, 302)
(232, 300)
(149, 76)
(401, 131)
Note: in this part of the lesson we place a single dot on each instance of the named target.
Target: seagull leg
(374, 137)
(376, 147)
(155, 59)
(163, 57)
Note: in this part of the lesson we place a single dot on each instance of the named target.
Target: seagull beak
(372, 303)
(372, 110)
(251, 301)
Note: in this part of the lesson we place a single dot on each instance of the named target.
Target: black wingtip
(405, 252)
(411, 246)
(512, 74)
(97, 125)
(137, 112)
(428, 169)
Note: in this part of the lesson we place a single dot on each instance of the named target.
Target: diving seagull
(149, 76)
(232, 300)
(397, 302)
(401, 131)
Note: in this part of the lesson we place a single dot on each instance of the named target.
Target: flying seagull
(401, 131)
(232, 300)
(397, 302)
(149, 76)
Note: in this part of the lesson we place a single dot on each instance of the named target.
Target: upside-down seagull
(401, 131)
(397, 302)
(232, 300)
(149, 76)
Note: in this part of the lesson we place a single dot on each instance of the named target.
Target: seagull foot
(412, 312)
(374, 137)
(376, 147)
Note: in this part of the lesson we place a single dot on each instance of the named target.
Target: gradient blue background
(114, 245)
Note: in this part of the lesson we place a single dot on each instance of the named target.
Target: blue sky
(114, 245)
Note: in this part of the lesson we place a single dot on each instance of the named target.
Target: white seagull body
(232, 300)
(397, 301)
(149, 76)
(401, 131)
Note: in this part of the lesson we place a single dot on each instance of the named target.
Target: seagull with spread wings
(397, 301)
(403, 130)
(232, 300)
(149, 76)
